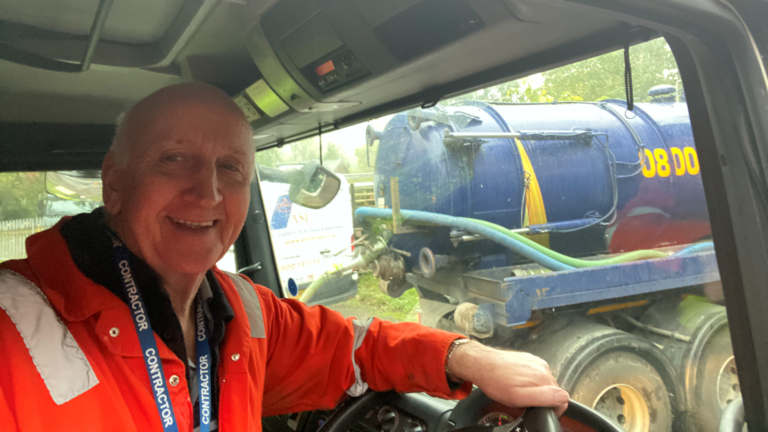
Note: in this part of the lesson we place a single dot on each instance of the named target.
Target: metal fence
(363, 195)
(13, 234)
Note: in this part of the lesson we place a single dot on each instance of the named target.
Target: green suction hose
(574, 262)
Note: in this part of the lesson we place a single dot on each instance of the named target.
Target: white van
(308, 242)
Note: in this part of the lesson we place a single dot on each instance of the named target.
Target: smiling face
(177, 180)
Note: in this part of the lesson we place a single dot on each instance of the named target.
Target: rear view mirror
(74, 185)
(313, 185)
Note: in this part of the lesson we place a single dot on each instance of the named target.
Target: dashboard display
(499, 418)
(496, 419)
(325, 68)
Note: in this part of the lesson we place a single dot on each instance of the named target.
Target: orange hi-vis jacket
(70, 359)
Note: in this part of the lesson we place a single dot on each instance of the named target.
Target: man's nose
(204, 187)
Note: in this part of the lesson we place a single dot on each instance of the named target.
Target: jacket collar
(76, 297)
(70, 292)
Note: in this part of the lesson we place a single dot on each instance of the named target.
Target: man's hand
(512, 378)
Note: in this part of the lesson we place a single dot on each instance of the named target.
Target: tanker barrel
(527, 166)
(663, 93)
(474, 135)
(436, 114)
(584, 136)
(525, 135)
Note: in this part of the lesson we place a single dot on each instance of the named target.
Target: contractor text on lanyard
(152, 356)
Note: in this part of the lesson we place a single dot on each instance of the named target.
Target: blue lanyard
(203, 370)
(150, 351)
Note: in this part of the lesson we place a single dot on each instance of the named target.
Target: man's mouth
(191, 224)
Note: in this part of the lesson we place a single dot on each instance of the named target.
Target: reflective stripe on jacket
(70, 358)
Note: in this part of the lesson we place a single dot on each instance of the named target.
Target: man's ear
(110, 180)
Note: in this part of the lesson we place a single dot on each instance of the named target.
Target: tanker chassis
(575, 231)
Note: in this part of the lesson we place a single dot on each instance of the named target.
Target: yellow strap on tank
(535, 213)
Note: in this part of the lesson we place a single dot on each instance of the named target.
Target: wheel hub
(728, 388)
(626, 406)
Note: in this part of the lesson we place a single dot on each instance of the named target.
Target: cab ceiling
(136, 21)
(218, 46)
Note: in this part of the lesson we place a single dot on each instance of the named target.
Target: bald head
(163, 106)
(176, 181)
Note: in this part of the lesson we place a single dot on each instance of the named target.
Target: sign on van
(305, 240)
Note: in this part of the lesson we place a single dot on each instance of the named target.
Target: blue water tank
(633, 164)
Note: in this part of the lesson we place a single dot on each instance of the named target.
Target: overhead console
(333, 43)
(319, 54)
(313, 53)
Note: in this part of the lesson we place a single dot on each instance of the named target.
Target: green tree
(295, 153)
(303, 151)
(299, 153)
(333, 152)
(594, 79)
(512, 91)
(21, 194)
(269, 158)
(362, 158)
(602, 77)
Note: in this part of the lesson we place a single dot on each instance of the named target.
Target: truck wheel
(717, 381)
(627, 389)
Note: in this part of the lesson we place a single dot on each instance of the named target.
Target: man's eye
(172, 158)
(230, 167)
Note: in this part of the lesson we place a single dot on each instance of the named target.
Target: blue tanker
(592, 176)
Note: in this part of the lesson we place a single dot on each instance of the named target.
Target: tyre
(628, 390)
(717, 383)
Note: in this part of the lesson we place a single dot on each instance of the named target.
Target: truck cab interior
(307, 69)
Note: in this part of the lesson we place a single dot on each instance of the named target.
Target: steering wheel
(351, 411)
(467, 413)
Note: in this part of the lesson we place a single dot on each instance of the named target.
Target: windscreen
(545, 214)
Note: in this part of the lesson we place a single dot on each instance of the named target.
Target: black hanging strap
(320, 135)
(628, 78)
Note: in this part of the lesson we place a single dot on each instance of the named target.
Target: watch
(451, 348)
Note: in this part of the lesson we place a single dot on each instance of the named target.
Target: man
(119, 320)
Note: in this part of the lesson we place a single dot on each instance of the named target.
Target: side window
(542, 215)
(31, 202)
(28, 206)
(227, 262)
